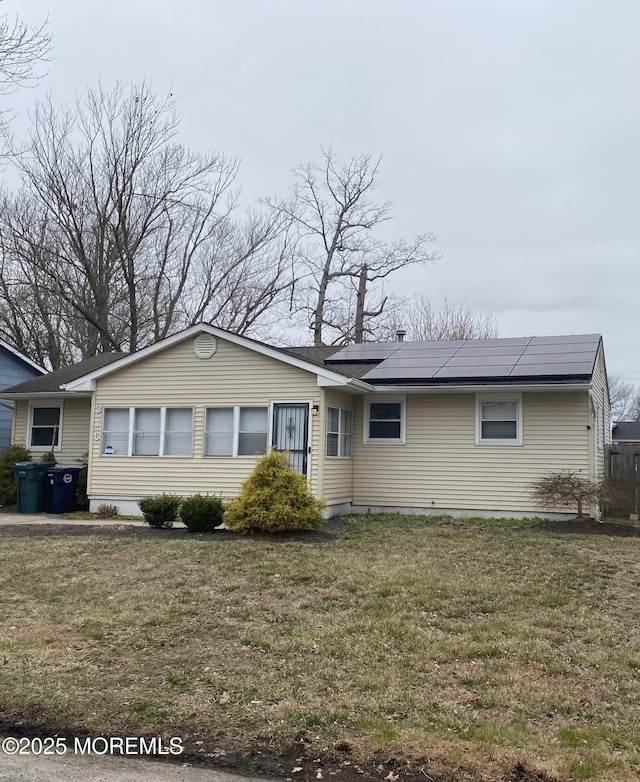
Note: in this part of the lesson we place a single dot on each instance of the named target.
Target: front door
(291, 432)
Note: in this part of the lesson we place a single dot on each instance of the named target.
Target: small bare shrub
(569, 489)
(105, 511)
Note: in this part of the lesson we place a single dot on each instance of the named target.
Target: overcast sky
(510, 128)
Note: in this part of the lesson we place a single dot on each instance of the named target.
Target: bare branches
(625, 400)
(570, 490)
(21, 49)
(129, 235)
(425, 319)
(333, 208)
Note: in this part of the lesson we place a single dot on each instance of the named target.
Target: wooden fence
(622, 465)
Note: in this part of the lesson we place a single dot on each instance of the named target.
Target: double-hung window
(236, 431)
(45, 425)
(339, 432)
(384, 420)
(499, 420)
(147, 431)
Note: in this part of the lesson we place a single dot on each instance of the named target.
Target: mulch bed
(331, 530)
(612, 529)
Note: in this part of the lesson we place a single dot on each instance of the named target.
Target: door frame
(301, 402)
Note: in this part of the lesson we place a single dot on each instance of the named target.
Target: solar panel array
(491, 359)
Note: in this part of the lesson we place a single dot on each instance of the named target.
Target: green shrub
(8, 489)
(202, 514)
(160, 511)
(82, 501)
(274, 498)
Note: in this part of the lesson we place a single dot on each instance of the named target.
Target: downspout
(593, 431)
(592, 426)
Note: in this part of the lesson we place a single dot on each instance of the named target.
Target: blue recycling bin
(61, 484)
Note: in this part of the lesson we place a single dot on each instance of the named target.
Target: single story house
(457, 426)
(14, 368)
(626, 432)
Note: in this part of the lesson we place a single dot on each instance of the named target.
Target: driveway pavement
(88, 768)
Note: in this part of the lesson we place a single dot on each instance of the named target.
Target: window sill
(510, 443)
(383, 442)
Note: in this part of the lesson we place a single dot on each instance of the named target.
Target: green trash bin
(31, 485)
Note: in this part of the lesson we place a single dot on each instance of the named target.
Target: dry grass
(442, 642)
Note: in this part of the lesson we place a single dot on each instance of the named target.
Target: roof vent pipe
(400, 335)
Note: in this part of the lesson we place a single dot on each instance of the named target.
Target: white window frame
(515, 397)
(385, 399)
(59, 403)
(339, 433)
(236, 431)
(132, 417)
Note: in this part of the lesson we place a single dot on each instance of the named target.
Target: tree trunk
(360, 297)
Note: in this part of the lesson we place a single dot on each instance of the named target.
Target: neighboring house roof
(22, 357)
(506, 361)
(626, 432)
(51, 383)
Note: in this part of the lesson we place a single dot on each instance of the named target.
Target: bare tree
(340, 258)
(625, 400)
(634, 409)
(22, 48)
(425, 319)
(125, 235)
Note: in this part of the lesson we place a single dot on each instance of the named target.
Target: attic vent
(205, 345)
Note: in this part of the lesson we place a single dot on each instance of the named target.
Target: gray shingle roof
(52, 382)
(318, 356)
(420, 363)
(626, 432)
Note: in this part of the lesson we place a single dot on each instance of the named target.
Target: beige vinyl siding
(176, 377)
(337, 474)
(440, 465)
(76, 419)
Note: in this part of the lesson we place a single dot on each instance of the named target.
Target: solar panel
(547, 370)
(554, 358)
(567, 338)
(510, 358)
(488, 370)
(382, 374)
(366, 351)
(562, 347)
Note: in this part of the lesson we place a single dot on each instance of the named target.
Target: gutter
(445, 388)
(44, 395)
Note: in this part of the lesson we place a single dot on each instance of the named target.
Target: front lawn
(440, 644)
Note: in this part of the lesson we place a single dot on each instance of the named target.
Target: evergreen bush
(202, 514)
(8, 488)
(82, 501)
(160, 511)
(274, 498)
